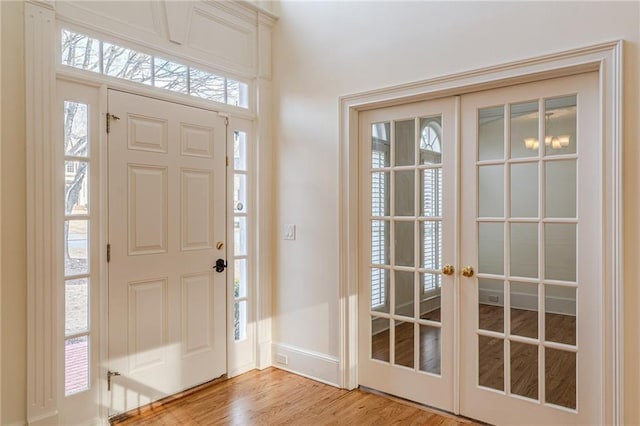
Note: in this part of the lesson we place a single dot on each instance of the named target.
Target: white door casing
(167, 306)
(476, 401)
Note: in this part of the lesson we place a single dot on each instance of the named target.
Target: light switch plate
(289, 231)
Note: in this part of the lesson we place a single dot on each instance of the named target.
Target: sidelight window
(77, 225)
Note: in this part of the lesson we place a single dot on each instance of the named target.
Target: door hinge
(226, 121)
(227, 161)
(110, 374)
(109, 118)
(108, 253)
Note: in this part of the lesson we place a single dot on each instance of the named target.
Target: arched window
(431, 141)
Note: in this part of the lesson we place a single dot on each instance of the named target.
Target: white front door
(167, 303)
(513, 336)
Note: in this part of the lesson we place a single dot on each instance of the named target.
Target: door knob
(220, 265)
(448, 269)
(467, 271)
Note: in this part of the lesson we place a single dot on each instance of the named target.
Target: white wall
(14, 234)
(326, 49)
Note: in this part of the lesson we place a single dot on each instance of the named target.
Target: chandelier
(553, 141)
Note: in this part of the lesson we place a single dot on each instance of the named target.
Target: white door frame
(606, 59)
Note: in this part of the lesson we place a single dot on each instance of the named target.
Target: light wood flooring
(276, 397)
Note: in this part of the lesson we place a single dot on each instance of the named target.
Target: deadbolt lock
(219, 245)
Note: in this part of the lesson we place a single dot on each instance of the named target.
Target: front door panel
(167, 311)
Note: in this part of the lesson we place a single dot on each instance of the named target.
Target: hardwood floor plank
(275, 397)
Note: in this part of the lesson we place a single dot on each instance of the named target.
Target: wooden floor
(275, 397)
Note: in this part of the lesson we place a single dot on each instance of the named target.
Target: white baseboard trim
(15, 424)
(47, 419)
(529, 302)
(313, 365)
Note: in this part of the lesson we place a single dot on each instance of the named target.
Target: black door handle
(220, 265)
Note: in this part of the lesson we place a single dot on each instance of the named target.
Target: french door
(483, 253)
(167, 297)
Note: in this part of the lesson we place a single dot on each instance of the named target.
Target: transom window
(90, 54)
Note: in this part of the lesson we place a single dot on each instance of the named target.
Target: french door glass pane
(560, 314)
(405, 143)
(560, 377)
(524, 309)
(404, 294)
(379, 290)
(380, 194)
(431, 187)
(404, 347)
(380, 145)
(491, 133)
(491, 191)
(524, 130)
(380, 340)
(404, 239)
(491, 305)
(560, 126)
(491, 362)
(430, 349)
(524, 369)
(491, 248)
(379, 242)
(524, 190)
(560, 189)
(524, 250)
(431, 140)
(560, 251)
(431, 244)
(404, 194)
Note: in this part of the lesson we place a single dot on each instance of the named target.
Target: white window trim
(43, 237)
(606, 59)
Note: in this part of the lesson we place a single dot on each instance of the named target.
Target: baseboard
(14, 424)
(529, 302)
(313, 365)
(47, 419)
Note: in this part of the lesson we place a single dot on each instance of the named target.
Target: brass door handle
(467, 271)
(448, 269)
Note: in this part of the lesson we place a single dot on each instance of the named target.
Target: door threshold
(422, 406)
(167, 400)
